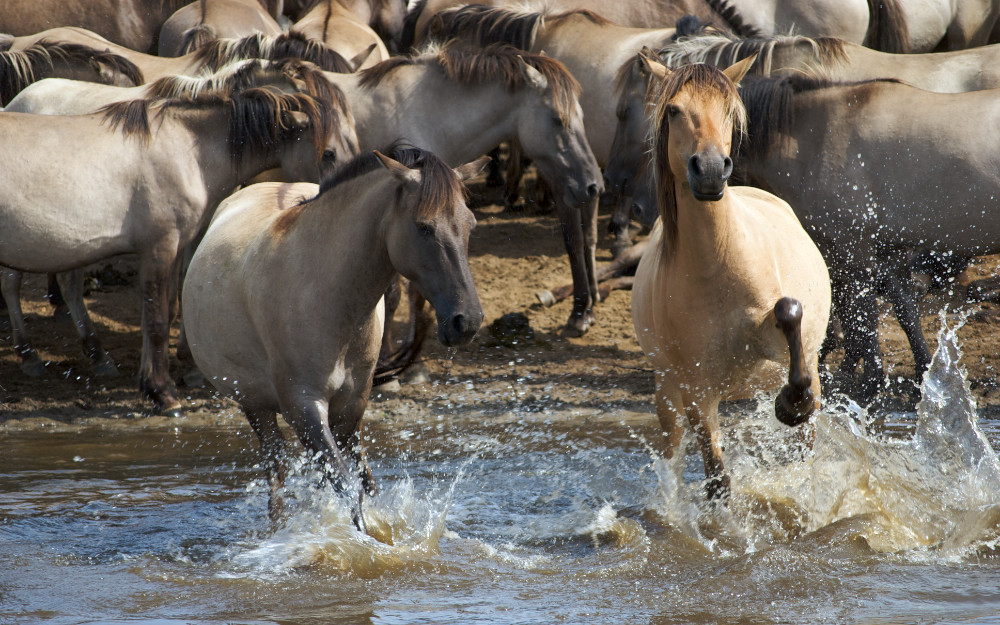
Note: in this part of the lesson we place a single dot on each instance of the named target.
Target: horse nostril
(592, 190)
(458, 323)
(694, 164)
(727, 166)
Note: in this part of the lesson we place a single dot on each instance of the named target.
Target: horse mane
(495, 62)
(258, 117)
(703, 77)
(734, 20)
(6, 41)
(770, 110)
(219, 52)
(483, 25)
(439, 186)
(887, 28)
(196, 37)
(722, 50)
(20, 68)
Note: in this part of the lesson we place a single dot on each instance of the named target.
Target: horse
(19, 67)
(488, 96)
(340, 29)
(874, 22)
(211, 57)
(143, 176)
(730, 286)
(870, 196)
(55, 96)
(195, 24)
(309, 353)
(130, 23)
(834, 59)
(939, 25)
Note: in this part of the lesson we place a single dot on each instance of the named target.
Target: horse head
(427, 236)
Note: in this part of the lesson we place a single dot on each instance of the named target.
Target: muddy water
(523, 518)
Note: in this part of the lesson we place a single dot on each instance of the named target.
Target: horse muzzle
(707, 175)
(459, 328)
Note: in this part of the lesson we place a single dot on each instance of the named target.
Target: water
(524, 518)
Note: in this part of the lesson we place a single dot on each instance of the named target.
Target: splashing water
(403, 528)
(937, 489)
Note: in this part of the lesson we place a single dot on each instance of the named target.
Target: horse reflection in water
(307, 348)
(730, 284)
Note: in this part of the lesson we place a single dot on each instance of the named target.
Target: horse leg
(272, 445)
(157, 273)
(703, 421)
(621, 217)
(588, 217)
(515, 169)
(572, 228)
(71, 285)
(309, 417)
(797, 399)
(392, 297)
(494, 175)
(10, 285)
(667, 414)
(897, 289)
(55, 295)
(858, 312)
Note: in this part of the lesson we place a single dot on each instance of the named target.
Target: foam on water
(938, 489)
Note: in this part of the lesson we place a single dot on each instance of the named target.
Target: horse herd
(276, 156)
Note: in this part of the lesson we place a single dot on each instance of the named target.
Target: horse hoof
(793, 407)
(106, 369)
(717, 489)
(545, 298)
(575, 328)
(174, 412)
(33, 367)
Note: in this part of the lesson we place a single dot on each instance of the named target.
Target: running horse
(277, 345)
(730, 287)
(143, 176)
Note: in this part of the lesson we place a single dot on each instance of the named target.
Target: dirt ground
(513, 256)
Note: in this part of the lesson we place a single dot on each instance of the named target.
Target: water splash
(404, 528)
(936, 489)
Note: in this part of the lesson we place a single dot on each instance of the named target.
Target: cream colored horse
(195, 24)
(54, 96)
(143, 177)
(730, 287)
(461, 103)
(307, 350)
(340, 29)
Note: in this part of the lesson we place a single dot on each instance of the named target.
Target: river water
(523, 518)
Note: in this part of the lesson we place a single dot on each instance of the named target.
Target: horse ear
(402, 173)
(739, 69)
(297, 120)
(359, 59)
(650, 65)
(469, 170)
(531, 75)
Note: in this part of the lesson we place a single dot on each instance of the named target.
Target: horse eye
(425, 228)
(329, 155)
(557, 121)
(672, 110)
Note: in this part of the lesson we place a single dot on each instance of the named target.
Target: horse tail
(196, 37)
(409, 35)
(887, 29)
(734, 20)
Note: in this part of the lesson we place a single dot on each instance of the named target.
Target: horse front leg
(71, 285)
(797, 400)
(621, 217)
(156, 274)
(10, 285)
(896, 287)
(702, 417)
(857, 309)
(582, 314)
(309, 417)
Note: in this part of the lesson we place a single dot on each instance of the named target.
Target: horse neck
(412, 100)
(209, 131)
(705, 230)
